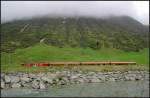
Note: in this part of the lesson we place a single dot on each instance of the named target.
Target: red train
(38, 64)
(79, 63)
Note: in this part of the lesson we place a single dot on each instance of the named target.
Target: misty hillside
(123, 33)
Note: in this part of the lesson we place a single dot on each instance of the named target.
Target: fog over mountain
(12, 10)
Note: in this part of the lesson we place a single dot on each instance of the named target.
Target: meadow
(42, 53)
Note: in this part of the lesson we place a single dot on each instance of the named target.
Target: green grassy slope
(44, 53)
(124, 33)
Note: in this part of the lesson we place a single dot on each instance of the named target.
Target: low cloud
(11, 10)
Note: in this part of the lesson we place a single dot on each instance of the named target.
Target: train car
(78, 63)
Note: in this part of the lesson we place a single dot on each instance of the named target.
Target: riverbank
(44, 80)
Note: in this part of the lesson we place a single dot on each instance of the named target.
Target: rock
(7, 86)
(112, 79)
(64, 72)
(43, 80)
(40, 74)
(28, 85)
(89, 77)
(81, 80)
(25, 75)
(25, 79)
(138, 77)
(76, 81)
(52, 75)
(72, 81)
(116, 72)
(2, 85)
(61, 76)
(91, 73)
(7, 79)
(2, 76)
(146, 76)
(37, 78)
(110, 73)
(128, 78)
(47, 79)
(79, 75)
(2, 80)
(95, 80)
(56, 80)
(74, 77)
(61, 82)
(102, 78)
(85, 80)
(15, 79)
(58, 72)
(117, 76)
(19, 74)
(42, 85)
(89, 81)
(16, 85)
(65, 79)
(35, 84)
(32, 76)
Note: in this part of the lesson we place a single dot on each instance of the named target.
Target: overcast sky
(11, 10)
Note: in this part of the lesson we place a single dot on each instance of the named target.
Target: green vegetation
(122, 33)
(46, 53)
(74, 39)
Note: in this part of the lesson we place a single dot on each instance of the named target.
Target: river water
(106, 89)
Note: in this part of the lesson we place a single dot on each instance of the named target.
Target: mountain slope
(115, 32)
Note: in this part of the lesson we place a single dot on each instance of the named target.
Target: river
(106, 89)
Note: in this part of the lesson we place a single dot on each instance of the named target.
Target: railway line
(78, 63)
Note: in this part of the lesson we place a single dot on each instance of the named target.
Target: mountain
(122, 32)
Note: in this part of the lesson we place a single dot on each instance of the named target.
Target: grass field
(45, 53)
